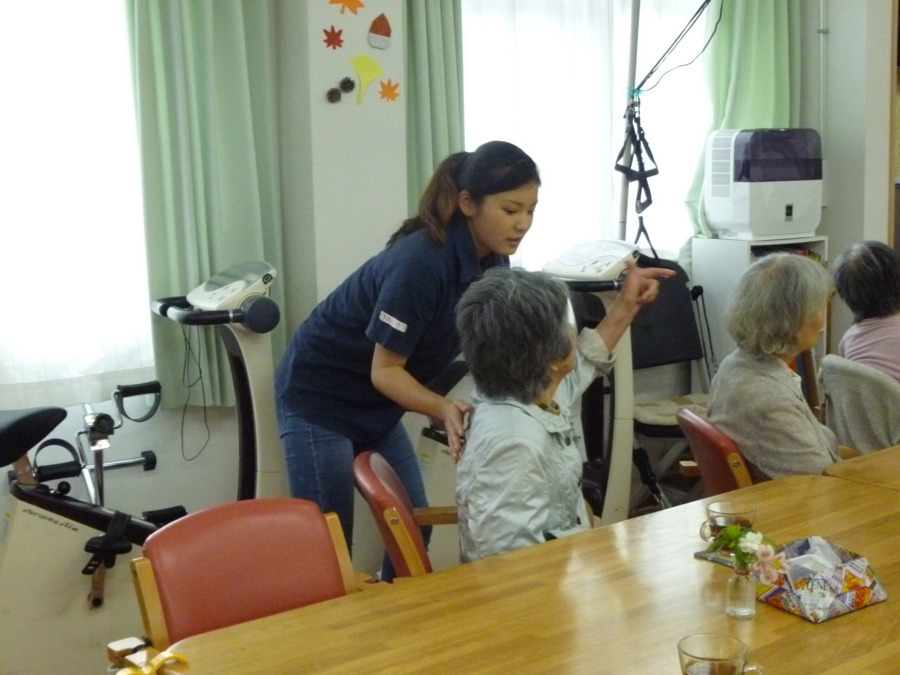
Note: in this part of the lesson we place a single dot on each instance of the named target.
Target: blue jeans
(320, 466)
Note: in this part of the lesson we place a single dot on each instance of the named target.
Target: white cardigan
(758, 403)
(519, 477)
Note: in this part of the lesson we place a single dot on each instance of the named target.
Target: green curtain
(434, 108)
(205, 87)
(754, 73)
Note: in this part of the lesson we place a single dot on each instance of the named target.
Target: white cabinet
(716, 266)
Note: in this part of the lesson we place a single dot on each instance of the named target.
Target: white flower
(751, 541)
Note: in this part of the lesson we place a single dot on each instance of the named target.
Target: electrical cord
(684, 31)
(708, 351)
(190, 381)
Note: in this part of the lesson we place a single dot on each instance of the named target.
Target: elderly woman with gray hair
(777, 310)
(867, 277)
(519, 477)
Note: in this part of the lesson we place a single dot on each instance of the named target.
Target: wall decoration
(333, 37)
(380, 32)
(346, 85)
(389, 90)
(367, 69)
(348, 34)
(352, 5)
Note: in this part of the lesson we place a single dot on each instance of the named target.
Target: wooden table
(613, 600)
(881, 467)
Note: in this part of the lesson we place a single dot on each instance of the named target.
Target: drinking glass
(721, 514)
(714, 654)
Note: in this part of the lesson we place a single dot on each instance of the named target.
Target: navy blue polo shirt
(404, 299)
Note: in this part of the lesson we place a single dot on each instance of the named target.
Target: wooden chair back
(239, 561)
(393, 512)
(721, 464)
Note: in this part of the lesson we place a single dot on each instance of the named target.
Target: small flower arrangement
(751, 550)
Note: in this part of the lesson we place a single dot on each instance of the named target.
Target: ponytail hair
(495, 166)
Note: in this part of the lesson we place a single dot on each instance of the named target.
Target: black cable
(639, 89)
(697, 293)
(712, 353)
(189, 357)
(715, 28)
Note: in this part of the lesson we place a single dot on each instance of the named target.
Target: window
(552, 78)
(75, 307)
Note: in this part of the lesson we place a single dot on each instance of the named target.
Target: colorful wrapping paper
(821, 580)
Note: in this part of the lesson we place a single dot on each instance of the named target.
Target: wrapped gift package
(820, 580)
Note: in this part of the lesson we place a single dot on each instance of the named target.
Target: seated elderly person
(777, 310)
(519, 477)
(867, 278)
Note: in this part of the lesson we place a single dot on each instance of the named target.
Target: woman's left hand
(453, 422)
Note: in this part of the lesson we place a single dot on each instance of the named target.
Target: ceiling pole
(626, 158)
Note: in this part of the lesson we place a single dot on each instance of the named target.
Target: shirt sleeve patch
(392, 322)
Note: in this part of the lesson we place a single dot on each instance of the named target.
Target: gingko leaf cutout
(367, 69)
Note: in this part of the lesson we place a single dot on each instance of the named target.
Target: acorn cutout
(380, 32)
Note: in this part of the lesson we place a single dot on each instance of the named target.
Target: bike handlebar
(258, 313)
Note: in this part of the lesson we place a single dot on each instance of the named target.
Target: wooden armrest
(739, 469)
(365, 581)
(846, 452)
(689, 468)
(436, 515)
(149, 602)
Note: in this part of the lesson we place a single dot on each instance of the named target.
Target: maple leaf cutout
(389, 90)
(333, 38)
(352, 5)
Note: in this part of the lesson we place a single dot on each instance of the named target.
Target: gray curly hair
(774, 297)
(512, 327)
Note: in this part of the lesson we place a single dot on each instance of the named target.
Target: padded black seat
(21, 430)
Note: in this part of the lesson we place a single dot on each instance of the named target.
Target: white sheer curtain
(75, 306)
(552, 78)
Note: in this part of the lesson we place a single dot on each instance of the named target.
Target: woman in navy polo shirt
(357, 363)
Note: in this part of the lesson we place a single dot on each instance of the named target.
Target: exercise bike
(91, 440)
(47, 537)
(43, 537)
(30, 479)
(236, 303)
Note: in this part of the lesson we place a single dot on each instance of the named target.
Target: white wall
(359, 147)
(344, 163)
(848, 75)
